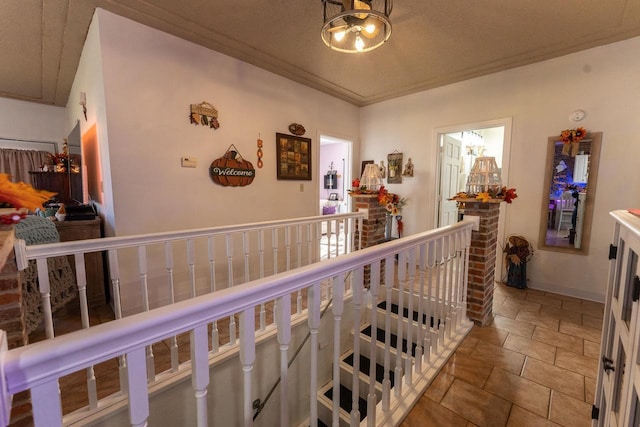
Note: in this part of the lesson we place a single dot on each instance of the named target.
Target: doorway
(335, 175)
(458, 147)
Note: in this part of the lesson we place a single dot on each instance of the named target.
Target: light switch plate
(188, 162)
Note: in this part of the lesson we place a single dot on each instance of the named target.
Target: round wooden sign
(232, 170)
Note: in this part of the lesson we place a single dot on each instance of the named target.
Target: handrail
(46, 360)
(118, 242)
(39, 366)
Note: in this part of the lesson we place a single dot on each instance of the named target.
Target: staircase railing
(430, 275)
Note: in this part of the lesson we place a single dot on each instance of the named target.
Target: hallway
(535, 365)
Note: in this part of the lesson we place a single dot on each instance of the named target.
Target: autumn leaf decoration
(21, 195)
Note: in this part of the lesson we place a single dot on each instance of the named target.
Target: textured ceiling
(433, 43)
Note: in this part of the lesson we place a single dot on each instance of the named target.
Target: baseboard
(562, 290)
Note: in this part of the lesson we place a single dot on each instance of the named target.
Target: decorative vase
(388, 226)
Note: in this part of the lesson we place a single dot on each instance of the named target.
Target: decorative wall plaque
(204, 114)
(232, 170)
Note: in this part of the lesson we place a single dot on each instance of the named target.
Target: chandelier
(354, 26)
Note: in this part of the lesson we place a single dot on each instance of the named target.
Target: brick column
(373, 227)
(12, 319)
(482, 261)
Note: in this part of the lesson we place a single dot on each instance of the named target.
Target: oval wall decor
(231, 170)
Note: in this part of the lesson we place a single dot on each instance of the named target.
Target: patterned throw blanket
(35, 230)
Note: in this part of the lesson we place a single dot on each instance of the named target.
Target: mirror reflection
(570, 185)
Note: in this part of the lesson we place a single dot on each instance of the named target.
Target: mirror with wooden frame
(569, 192)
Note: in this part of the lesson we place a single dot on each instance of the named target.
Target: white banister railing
(410, 265)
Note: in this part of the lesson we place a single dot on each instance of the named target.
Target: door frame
(347, 164)
(506, 123)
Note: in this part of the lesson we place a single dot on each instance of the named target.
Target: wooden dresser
(82, 230)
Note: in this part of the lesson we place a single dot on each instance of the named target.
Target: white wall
(601, 81)
(150, 79)
(27, 121)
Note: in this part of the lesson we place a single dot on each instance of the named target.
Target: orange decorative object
(232, 170)
(260, 153)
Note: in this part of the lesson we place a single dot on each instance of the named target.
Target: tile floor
(534, 365)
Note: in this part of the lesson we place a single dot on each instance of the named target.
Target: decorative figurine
(408, 168)
(383, 169)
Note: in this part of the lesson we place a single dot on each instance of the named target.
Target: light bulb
(359, 43)
(370, 28)
(339, 35)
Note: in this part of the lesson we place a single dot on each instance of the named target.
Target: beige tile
(510, 311)
(468, 344)
(592, 322)
(590, 334)
(568, 411)
(538, 319)
(520, 391)
(521, 418)
(569, 316)
(439, 386)
(427, 413)
(577, 363)
(565, 297)
(507, 291)
(503, 358)
(521, 304)
(589, 389)
(490, 335)
(470, 370)
(544, 300)
(554, 377)
(592, 349)
(476, 405)
(524, 329)
(498, 299)
(585, 307)
(558, 339)
(531, 348)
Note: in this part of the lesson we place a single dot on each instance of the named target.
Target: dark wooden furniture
(57, 182)
(82, 230)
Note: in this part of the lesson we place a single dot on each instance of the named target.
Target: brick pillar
(482, 261)
(373, 226)
(12, 320)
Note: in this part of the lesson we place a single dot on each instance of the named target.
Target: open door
(451, 152)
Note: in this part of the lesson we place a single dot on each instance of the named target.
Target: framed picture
(394, 162)
(333, 196)
(364, 164)
(293, 157)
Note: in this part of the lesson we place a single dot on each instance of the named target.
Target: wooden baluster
(232, 318)
(211, 250)
(357, 288)
(246, 252)
(338, 308)
(169, 265)
(431, 344)
(314, 297)
(386, 382)
(284, 337)
(263, 311)
(81, 279)
(450, 283)
(191, 262)
(247, 359)
(287, 245)
(373, 289)
(299, 264)
(421, 315)
(114, 272)
(144, 286)
(408, 368)
(200, 372)
(45, 294)
(402, 275)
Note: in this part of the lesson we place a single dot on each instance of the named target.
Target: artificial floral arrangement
(502, 194)
(570, 139)
(392, 202)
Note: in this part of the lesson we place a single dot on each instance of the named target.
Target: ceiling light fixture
(354, 26)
